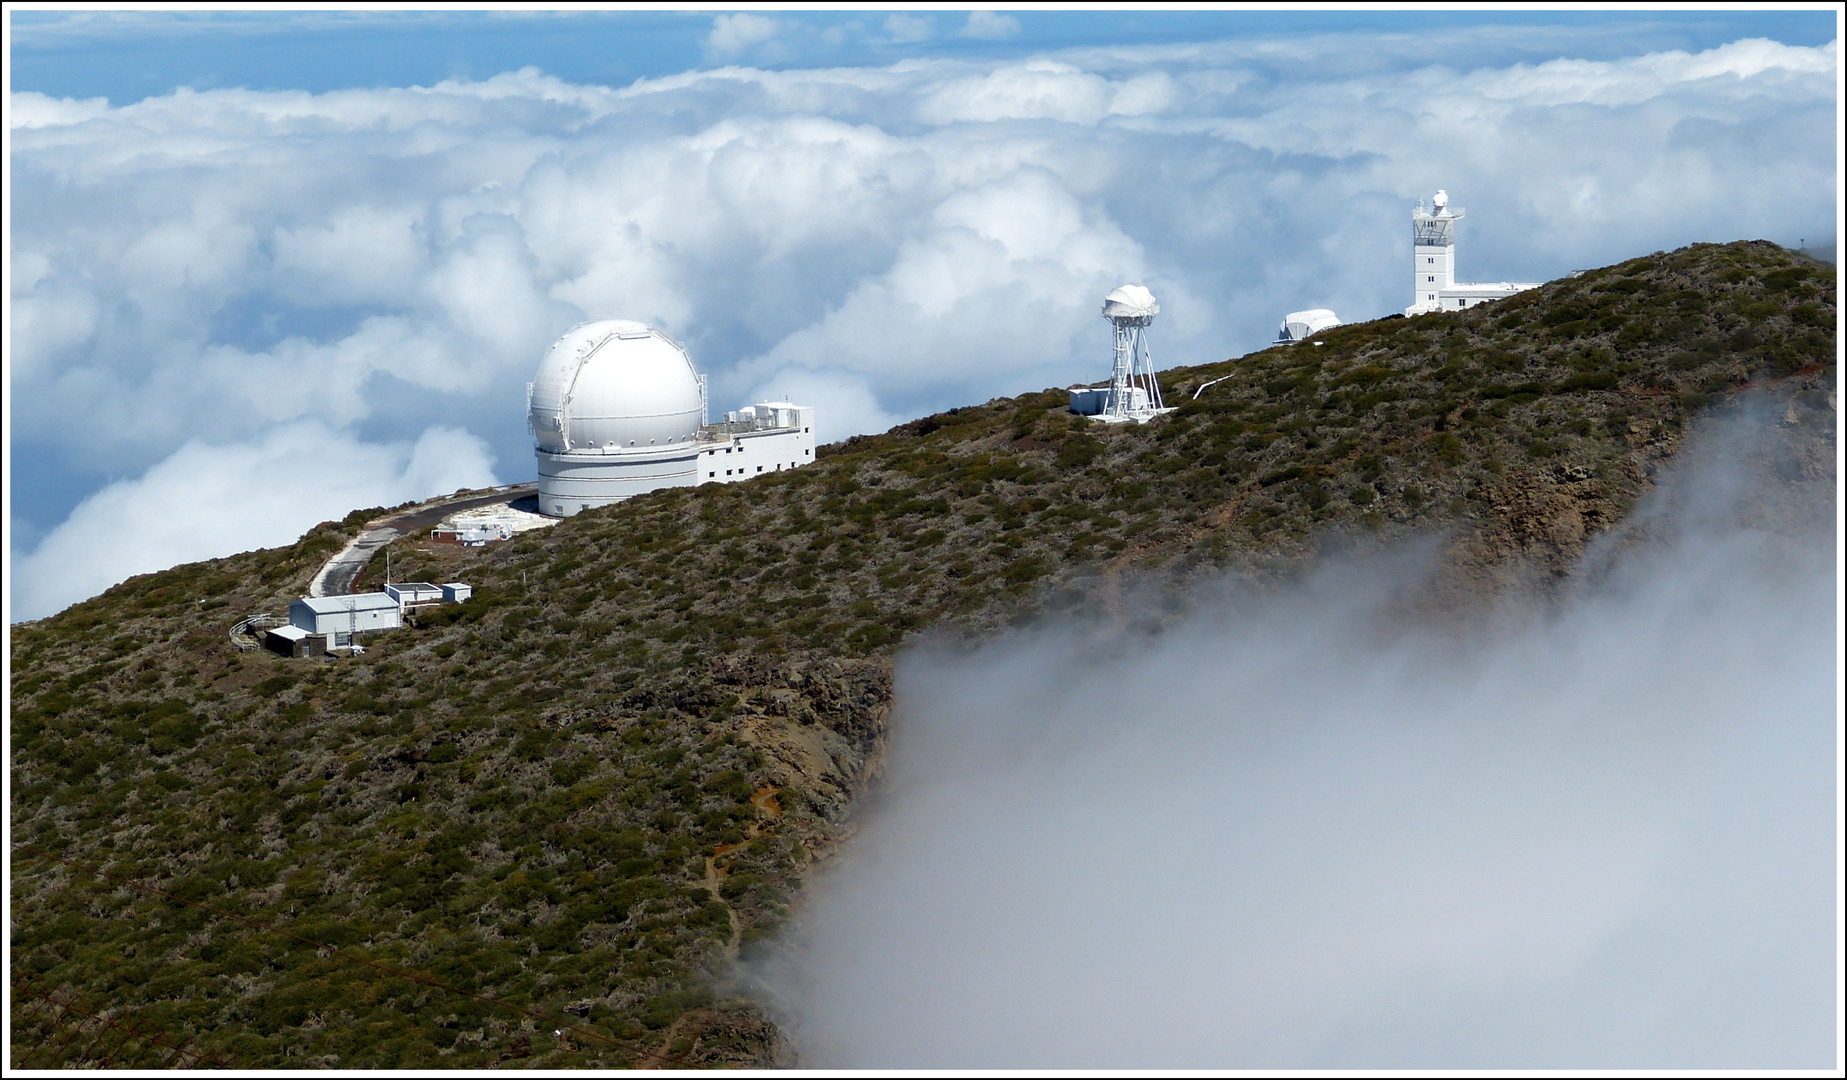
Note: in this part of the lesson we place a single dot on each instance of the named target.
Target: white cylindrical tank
(611, 386)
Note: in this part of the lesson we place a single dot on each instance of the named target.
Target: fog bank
(1299, 832)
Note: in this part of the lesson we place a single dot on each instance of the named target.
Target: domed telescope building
(618, 410)
(1302, 325)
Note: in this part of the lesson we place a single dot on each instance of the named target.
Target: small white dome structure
(615, 385)
(618, 410)
(1298, 325)
(1130, 302)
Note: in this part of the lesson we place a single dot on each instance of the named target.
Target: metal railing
(241, 635)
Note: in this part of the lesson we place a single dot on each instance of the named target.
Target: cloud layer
(209, 500)
(1294, 832)
(207, 266)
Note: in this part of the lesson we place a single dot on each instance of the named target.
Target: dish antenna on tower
(1134, 393)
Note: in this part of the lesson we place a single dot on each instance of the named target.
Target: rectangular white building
(411, 594)
(355, 613)
(767, 437)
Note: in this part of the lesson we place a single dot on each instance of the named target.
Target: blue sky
(245, 243)
(127, 56)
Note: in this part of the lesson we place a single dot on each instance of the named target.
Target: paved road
(337, 575)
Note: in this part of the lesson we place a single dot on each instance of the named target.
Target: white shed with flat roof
(354, 613)
(411, 594)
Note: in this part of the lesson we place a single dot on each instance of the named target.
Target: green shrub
(1078, 450)
(570, 745)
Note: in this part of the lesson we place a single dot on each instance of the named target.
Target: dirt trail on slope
(764, 799)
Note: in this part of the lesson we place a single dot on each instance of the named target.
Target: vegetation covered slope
(581, 792)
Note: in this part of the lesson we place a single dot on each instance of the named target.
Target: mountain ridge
(589, 787)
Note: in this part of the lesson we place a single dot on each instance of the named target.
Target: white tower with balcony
(1433, 243)
(1433, 258)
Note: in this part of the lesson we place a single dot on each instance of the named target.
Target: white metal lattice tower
(1134, 393)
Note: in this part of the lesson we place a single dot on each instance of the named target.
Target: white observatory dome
(1130, 302)
(1298, 325)
(614, 385)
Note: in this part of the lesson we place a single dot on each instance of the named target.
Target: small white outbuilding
(354, 613)
(414, 594)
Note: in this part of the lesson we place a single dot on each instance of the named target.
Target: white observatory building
(618, 410)
(1301, 325)
(1133, 393)
(1433, 255)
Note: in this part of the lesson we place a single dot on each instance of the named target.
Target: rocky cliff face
(568, 804)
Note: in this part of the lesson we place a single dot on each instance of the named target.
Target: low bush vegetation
(586, 788)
